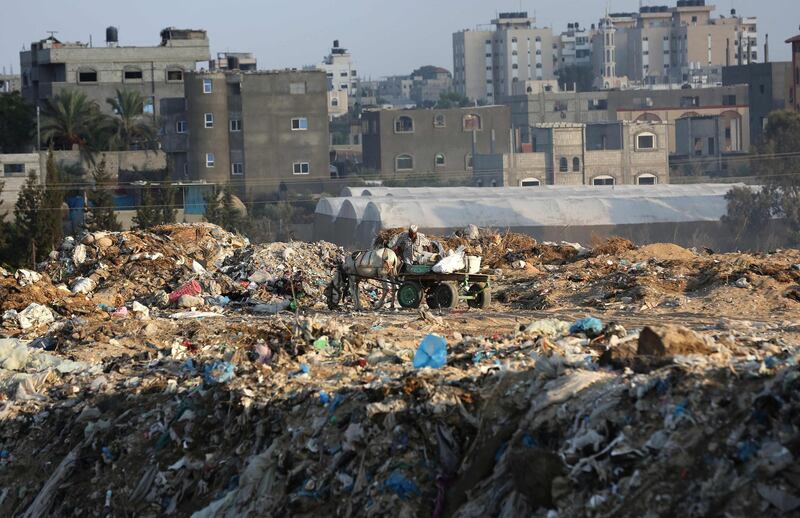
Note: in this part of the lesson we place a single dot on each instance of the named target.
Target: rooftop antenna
(52, 33)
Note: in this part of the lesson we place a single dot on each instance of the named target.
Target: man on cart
(414, 247)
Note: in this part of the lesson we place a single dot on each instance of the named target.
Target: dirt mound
(660, 252)
(612, 246)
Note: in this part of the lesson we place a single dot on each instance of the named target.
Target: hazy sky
(385, 37)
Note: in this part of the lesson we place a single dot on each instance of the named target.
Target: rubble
(256, 400)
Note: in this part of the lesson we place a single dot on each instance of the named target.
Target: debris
(432, 352)
(589, 326)
(34, 315)
(670, 340)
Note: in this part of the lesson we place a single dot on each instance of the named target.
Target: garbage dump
(595, 405)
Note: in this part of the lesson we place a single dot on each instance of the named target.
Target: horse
(380, 264)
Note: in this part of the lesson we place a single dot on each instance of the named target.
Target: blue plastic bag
(590, 326)
(432, 352)
(400, 485)
(218, 372)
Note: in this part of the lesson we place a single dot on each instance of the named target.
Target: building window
(132, 75)
(603, 180)
(300, 88)
(299, 124)
(645, 141)
(87, 76)
(209, 118)
(647, 179)
(334, 101)
(236, 125)
(148, 106)
(439, 120)
(301, 168)
(472, 122)
(439, 160)
(14, 169)
(530, 182)
(404, 163)
(174, 75)
(404, 124)
(237, 169)
(576, 165)
(563, 165)
(181, 127)
(210, 160)
(208, 86)
(688, 101)
(729, 100)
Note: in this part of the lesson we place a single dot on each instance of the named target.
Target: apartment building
(234, 61)
(768, 85)
(51, 66)
(681, 44)
(615, 153)
(574, 47)
(10, 83)
(433, 142)
(542, 106)
(487, 63)
(794, 91)
(341, 72)
(262, 131)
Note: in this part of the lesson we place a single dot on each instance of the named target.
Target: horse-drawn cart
(415, 284)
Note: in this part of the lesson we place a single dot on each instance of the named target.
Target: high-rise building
(487, 63)
(341, 71)
(681, 44)
(574, 47)
(51, 66)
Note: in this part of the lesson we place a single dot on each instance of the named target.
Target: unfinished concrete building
(616, 153)
(51, 66)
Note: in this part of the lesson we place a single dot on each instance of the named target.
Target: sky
(385, 37)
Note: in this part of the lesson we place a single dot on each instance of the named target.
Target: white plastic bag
(452, 263)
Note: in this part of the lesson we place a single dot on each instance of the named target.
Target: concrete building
(640, 105)
(698, 144)
(574, 47)
(341, 71)
(430, 84)
(234, 61)
(51, 66)
(681, 44)
(438, 142)
(768, 86)
(487, 63)
(617, 153)
(261, 131)
(794, 91)
(10, 83)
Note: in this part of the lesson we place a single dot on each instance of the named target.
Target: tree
(130, 126)
(167, 197)
(147, 214)
(100, 210)
(52, 228)
(213, 212)
(452, 100)
(749, 211)
(27, 214)
(17, 124)
(71, 119)
(231, 215)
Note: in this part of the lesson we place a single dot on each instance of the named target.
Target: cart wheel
(409, 295)
(481, 296)
(446, 295)
(430, 296)
(374, 293)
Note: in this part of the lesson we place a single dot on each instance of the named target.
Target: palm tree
(131, 126)
(70, 119)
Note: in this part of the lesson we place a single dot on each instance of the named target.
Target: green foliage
(52, 228)
(17, 124)
(130, 127)
(452, 100)
(578, 76)
(156, 207)
(28, 225)
(213, 212)
(147, 214)
(100, 211)
(749, 211)
(221, 210)
(167, 197)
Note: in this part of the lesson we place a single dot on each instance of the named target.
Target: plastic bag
(452, 263)
(432, 352)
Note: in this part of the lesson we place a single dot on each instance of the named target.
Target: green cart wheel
(446, 295)
(409, 295)
(481, 296)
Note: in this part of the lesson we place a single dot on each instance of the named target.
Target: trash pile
(173, 386)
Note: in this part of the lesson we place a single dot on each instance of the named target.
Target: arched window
(576, 165)
(334, 101)
(646, 179)
(603, 180)
(439, 160)
(404, 124)
(87, 75)
(404, 163)
(530, 182)
(645, 141)
(472, 122)
(648, 117)
(439, 120)
(563, 166)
